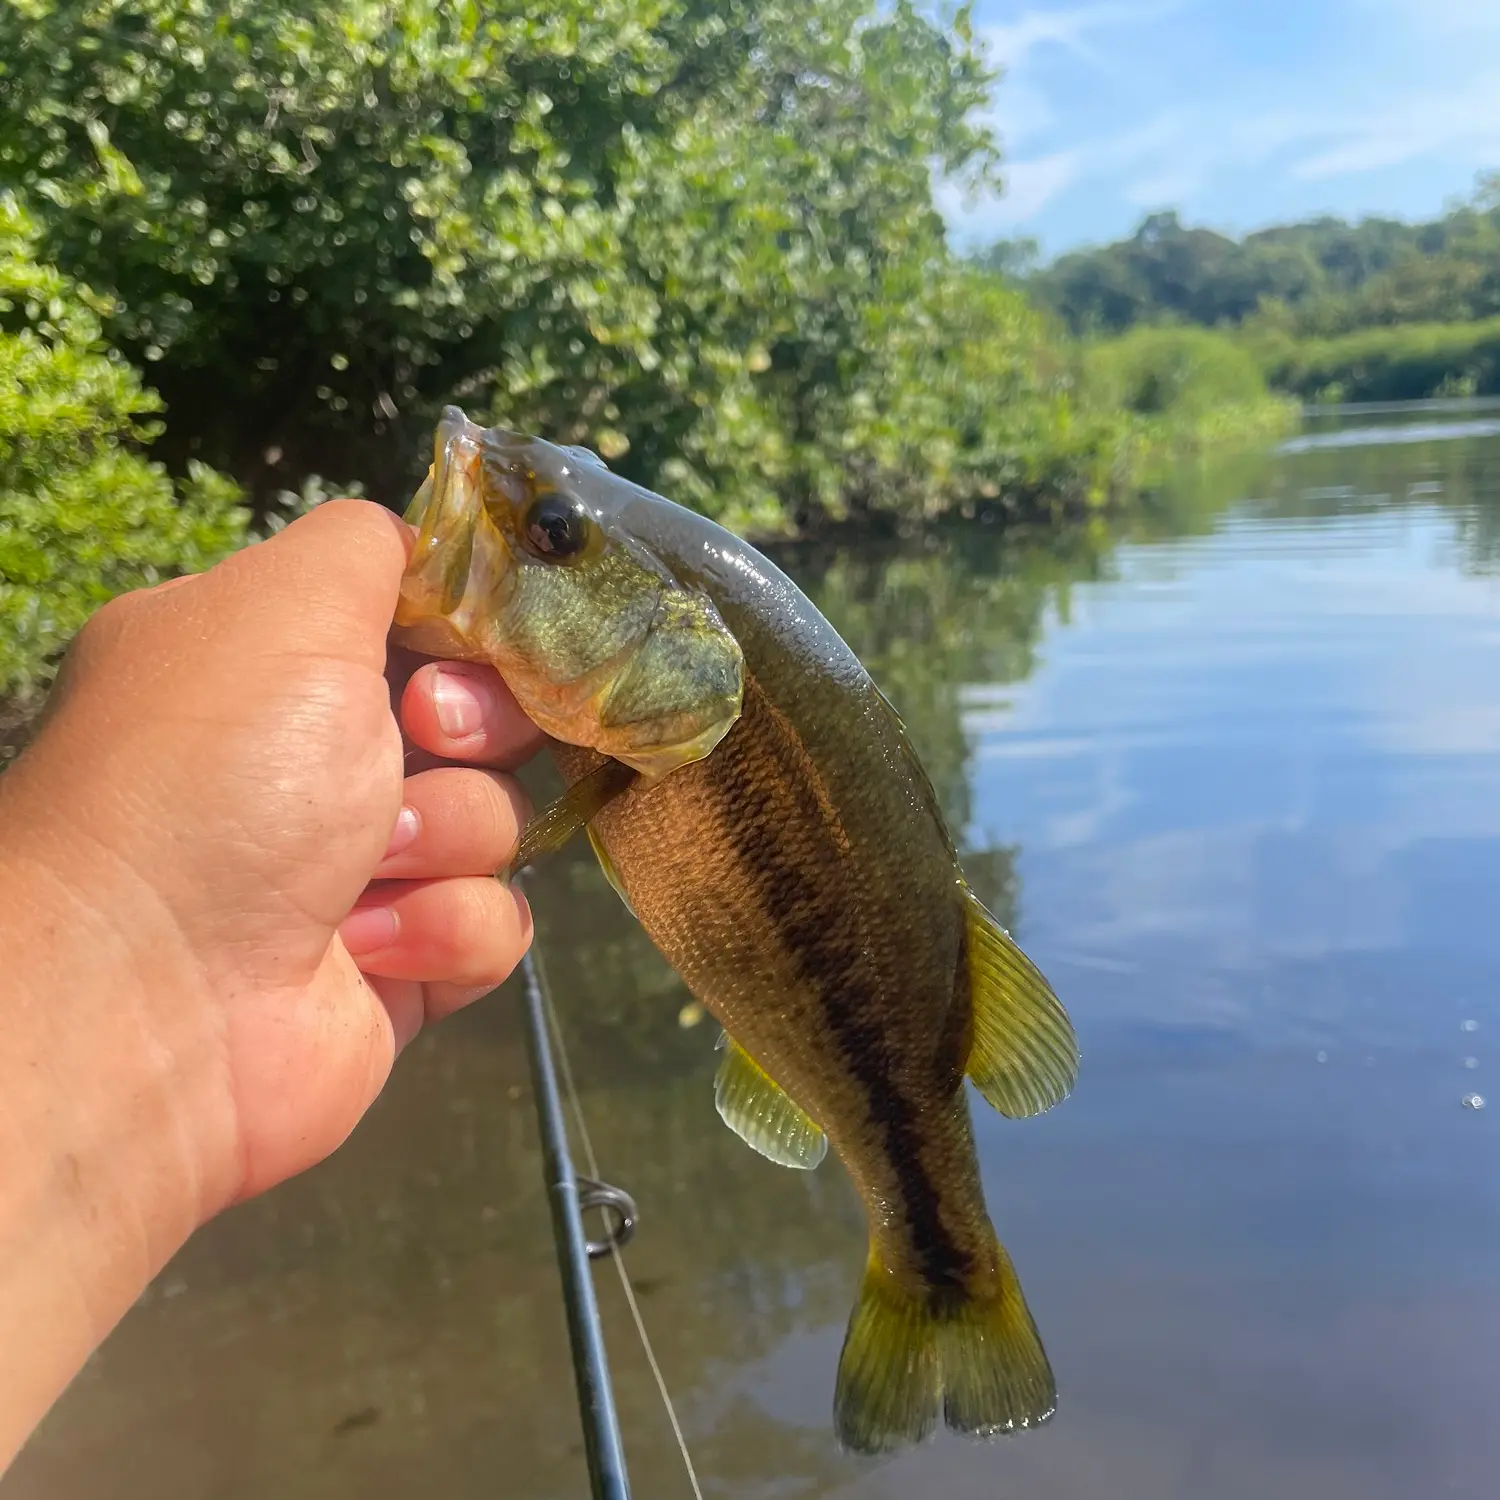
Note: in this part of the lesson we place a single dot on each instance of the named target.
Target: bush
(1155, 371)
(967, 397)
(667, 231)
(699, 237)
(1190, 387)
(83, 515)
(1409, 362)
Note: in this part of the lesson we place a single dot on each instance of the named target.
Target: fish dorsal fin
(753, 1105)
(606, 864)
(1024, 1056)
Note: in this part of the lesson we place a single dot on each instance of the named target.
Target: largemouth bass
(754, 799)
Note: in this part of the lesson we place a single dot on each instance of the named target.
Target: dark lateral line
(826, 962)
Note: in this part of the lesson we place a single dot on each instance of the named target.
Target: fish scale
(820, 961)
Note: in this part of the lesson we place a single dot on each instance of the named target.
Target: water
(1236, 782)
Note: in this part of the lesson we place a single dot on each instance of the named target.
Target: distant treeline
(1374, 310)
(1322, 277)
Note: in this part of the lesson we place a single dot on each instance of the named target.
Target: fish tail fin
(890, 1383)
(911, 1353)
(996, 1376)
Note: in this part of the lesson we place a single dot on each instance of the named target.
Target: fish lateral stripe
(830, 961)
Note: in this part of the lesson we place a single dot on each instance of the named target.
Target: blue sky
(1237, 112)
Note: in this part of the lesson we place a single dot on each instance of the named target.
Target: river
(1233, 776)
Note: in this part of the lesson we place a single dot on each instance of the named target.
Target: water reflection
(1237, 783)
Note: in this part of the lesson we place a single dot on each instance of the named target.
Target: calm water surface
(1235, 780)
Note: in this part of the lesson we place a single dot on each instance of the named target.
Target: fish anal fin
(1023, 1056)
(910, 1356)
(753, 1105)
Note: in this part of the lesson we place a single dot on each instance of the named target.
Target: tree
(1015, 259)
(1329, 275)
(82, 514)
(660, 227)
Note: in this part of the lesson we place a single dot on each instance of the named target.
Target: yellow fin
(911, 1353)
(753, 1105)
(1024, 1056)
(551, 828)
(606, 864)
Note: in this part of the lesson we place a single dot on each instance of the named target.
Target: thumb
(328, 582)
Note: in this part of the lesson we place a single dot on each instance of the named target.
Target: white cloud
(1021, 110)
(1164, 188)
(1464, 117)
(1175, 154)
(1120, 156)
(1414, 83)
(1429, 17)
(1031, 185)
(1034, 182)
(1011, 43)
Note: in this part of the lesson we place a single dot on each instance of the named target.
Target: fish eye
(555, 528)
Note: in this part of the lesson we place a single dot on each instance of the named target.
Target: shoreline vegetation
(240, 248)
(1328, 311)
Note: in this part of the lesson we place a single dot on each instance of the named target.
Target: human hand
(223, 905)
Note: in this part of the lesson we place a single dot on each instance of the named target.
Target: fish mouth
(448, 512)
(601, 645)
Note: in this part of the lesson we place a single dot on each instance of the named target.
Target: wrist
(116, 1128)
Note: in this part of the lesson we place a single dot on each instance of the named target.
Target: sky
(1237, 113)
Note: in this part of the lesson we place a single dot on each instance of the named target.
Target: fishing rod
(568, 1194)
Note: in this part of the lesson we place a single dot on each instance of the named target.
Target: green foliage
(1191, 387)
(82, 515)
(1374, 311)
(966, 398)
(1321, 277)
(1166, 271)
(1404, 363)
(1157, 370)
(666, 228)
(1445, 271)
(696, 235)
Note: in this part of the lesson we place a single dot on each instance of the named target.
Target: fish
(755, 800)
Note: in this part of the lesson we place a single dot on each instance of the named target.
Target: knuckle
(99, 637)
(107, 622)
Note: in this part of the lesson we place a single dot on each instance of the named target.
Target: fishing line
(565, 1067)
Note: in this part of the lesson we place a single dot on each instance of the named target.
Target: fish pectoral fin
(552, 827)
(753, 1105)
(1024, 1055)
(606, 864)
